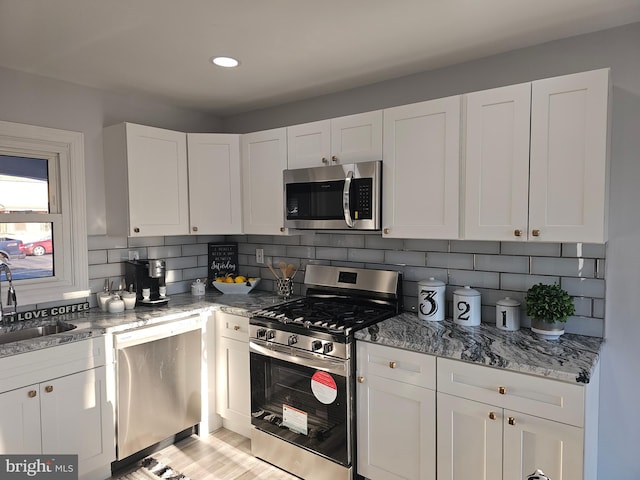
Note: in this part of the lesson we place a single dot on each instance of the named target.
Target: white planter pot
(549, 331)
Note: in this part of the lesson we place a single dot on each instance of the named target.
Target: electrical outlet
(260, 255)
(134, 255)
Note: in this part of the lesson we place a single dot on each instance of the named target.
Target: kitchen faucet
(12, 304)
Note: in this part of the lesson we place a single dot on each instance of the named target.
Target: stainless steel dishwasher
(158, 375)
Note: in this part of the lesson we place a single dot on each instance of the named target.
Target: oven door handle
(346, 199)
(337, 367)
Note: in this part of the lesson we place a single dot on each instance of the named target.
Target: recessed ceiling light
(228, 62)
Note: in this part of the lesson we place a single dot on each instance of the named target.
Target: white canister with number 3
(431, 300)
(466, 307)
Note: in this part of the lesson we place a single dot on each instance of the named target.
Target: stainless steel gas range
(303, 369)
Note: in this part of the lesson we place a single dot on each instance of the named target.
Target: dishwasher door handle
(150, 333)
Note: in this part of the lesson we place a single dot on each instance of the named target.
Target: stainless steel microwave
(338, 197)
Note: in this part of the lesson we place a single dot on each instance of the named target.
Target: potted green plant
(548, 306)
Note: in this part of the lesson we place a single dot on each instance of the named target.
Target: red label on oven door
(324, 387)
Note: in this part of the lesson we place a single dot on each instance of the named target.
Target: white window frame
(65, 152)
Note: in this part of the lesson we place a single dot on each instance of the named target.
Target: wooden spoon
(283, 269)
(273, 271)
(290, 270)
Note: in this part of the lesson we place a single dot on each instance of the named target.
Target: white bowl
(235, 287)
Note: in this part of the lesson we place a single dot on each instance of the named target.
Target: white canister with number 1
(466, 307)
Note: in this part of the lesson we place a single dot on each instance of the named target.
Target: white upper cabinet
(146, 181)
(421, 169)
(349, 139)
(569, 171)
(264, 157)
(536, 161)
(496, 166)
(215, 195)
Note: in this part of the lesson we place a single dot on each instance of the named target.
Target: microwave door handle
(346, 200)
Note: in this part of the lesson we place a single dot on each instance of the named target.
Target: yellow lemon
(220, 279)
(251, 279)
(241, 279)
(229, 280)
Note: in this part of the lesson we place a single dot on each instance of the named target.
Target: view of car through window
(26, 246)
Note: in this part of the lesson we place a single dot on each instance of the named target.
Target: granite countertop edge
(572, 358)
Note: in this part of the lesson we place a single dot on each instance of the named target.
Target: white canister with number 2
(466, 307)
(431, 300)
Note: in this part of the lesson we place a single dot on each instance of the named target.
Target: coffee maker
(151, 274)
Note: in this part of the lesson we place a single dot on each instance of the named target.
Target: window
(42, 212)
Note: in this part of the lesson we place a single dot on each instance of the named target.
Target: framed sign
(223, 259)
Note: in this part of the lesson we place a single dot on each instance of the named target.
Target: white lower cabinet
(70, 414)
(395, 396)
(494, 424)
(232, 379)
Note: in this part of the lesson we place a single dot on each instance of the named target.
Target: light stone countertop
(571, 358)
(95, 322)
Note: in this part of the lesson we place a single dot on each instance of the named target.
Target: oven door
(336, 197)
(302, 399)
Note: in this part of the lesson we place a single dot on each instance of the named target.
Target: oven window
(301, 405)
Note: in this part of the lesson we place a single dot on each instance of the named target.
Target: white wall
(50, 103)
(619, 49)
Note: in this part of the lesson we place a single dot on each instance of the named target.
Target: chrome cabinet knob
(512, 421)
(195, 229)
(502, 390)
(48, 388)
(32, 393)
(324, 160)
(334, 159)
(517, 232)
(492, 415)
(392, 365)
(535, 233)
(360, 379)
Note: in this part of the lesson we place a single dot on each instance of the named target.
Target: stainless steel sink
(34, 332)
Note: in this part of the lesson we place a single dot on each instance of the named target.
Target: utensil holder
(284, 287)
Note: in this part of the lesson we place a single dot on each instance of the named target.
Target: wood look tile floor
(223, 455)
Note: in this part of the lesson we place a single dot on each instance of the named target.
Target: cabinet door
(569, 149)
(532, 442)
(157, 180)
(421, 166)
(264, 157)
(234, 395)
(395, 429)
(496, 167)
(309, 144)
(215, 196)
(20, 421)
(356, 138)
(76, 418)
(469, 440)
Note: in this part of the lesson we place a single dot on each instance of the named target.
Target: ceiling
(288, 49)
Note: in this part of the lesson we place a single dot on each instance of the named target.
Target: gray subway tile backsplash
(496, 269)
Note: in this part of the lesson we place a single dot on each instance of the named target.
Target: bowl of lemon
(235, 284)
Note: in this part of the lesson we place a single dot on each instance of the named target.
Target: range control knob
(271, 334)
(261, 333)
(328, 347)
(316, 345)
(293, 340)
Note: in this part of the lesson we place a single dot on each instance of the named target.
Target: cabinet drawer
(397, 364)
(232, 326)
(537, 396)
